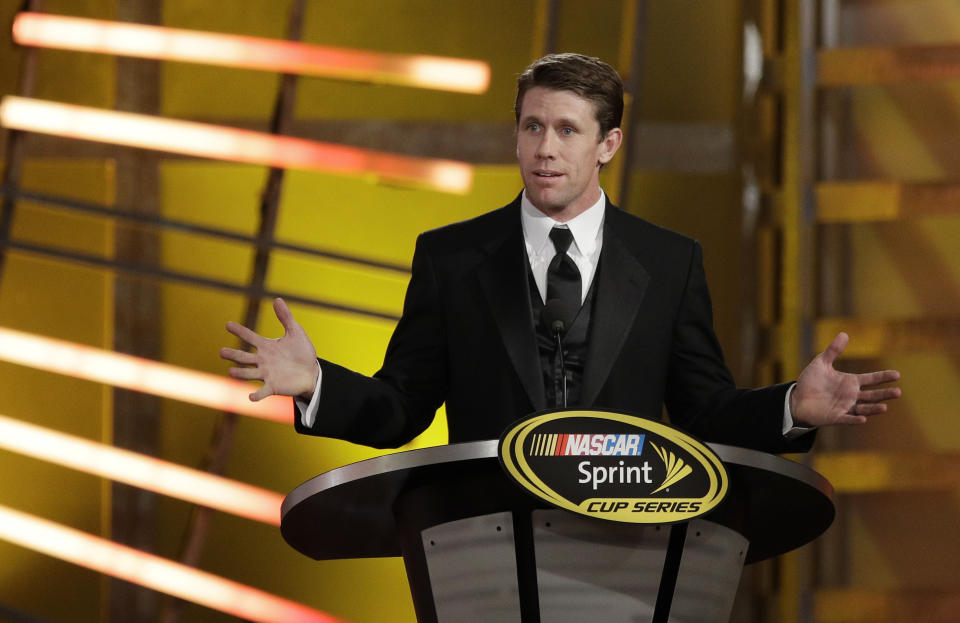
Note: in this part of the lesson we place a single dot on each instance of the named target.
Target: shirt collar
(585, 226)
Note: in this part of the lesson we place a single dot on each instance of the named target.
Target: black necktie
(563, 277)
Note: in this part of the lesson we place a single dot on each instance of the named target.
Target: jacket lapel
(505, 284)
(621, 282)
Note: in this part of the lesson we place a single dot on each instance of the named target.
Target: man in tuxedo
(558, 298)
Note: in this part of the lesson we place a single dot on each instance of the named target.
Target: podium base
(428, 504)
(585, 570)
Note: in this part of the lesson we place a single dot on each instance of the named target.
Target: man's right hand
(287, 365)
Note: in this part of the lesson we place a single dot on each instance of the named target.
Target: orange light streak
(141, 471)
(212, 141)
(138, 374)
(191, 46)
(152, 571)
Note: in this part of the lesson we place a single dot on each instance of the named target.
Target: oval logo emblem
(613, 466)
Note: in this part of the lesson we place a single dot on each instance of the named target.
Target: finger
(851, 419)
(879, 395)
(245, 334)
(867, 408)
(836, 347)
(238, 356)
(261, 393)
(247, 374)
(877, 378)
(284, 315)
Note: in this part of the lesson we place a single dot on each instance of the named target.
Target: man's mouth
(547, 174)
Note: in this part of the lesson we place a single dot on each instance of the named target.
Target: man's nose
(546, 148)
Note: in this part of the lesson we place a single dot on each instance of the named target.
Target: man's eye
(566, 131)
(533, 127)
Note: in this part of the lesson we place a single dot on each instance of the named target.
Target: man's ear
(609, 145)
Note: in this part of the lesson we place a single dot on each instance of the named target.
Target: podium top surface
(348, 512)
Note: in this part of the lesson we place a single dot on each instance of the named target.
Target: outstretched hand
(825, 396)
(287, 365)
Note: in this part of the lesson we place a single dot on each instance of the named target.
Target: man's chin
(547, 203)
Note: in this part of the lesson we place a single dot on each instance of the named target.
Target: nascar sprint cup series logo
(613, 466)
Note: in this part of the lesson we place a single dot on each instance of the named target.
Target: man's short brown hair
(588, 77)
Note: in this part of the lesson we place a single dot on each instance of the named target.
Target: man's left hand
(825, 396)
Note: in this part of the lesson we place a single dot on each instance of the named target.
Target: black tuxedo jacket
(466, 337)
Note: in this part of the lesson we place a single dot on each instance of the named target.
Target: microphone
(554, 317)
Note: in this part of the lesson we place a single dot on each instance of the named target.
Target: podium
(479, 548)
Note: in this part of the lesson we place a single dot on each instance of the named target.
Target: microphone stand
(557, 332)
(552, 318)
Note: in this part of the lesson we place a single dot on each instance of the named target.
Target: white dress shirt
(587, 230)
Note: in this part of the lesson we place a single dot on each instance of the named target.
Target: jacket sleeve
(400, 400)
(701, 396)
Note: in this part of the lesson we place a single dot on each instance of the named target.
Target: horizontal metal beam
(879, 338)
(693, 148)
(853, 66)
(852, 202)
(873, 338)
(875, 472)
(155, 272)
(159, 221)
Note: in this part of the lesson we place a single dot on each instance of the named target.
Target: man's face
(560, 151)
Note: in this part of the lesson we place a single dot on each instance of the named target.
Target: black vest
(574, 349)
